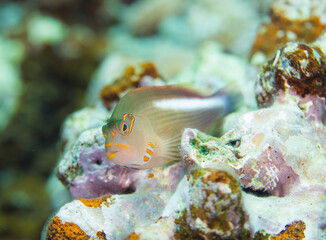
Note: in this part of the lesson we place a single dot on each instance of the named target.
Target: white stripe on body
(190, 104)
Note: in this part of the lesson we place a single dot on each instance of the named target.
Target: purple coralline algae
(86, 172)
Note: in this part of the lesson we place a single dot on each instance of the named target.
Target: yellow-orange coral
(133, 236)
(294, 231)
(58, 231)
(96, 202)
(130, 79)
(101, 235)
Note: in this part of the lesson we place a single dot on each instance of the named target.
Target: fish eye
(124, 127)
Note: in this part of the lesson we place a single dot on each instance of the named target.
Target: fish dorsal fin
(138, 100)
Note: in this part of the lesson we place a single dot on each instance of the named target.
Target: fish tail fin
(232, 96)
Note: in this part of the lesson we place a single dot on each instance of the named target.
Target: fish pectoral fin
(171, 149)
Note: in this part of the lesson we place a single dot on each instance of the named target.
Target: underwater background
(65, 64)
(48, 53)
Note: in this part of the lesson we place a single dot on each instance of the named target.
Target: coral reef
(263, 179)
(260, 175)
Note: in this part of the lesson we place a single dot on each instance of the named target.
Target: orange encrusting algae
(130, 79)
(101, 235)
(58, 231)
(133, 236)
(97, 202)
(293, 231)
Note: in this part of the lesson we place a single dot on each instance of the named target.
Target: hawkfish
(146, 126)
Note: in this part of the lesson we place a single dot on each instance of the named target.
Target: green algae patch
(203, 150)
(193, 142)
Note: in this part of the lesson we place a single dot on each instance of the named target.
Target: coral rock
(274, 150)
(111, 217)
(206, 205)
(215, 209)
(132, 78)
(297, 69)
(87, 173)
(57, 230)
(290, 21)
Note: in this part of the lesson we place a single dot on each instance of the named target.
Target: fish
(145, 128)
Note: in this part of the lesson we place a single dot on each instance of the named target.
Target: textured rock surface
(213, 209)
(272, 149)
(114, 216)
(297, 69)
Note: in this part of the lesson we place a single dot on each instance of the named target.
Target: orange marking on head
(149, 152)
(110, 156)
(108, 144)
(112, 134)
(151, 175)
(105, 135)
(146, 159)
(151, 144)
(123, 145)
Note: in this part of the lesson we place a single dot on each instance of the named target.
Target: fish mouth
(110, 155)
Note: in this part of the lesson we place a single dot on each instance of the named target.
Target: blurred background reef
(48, 52)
